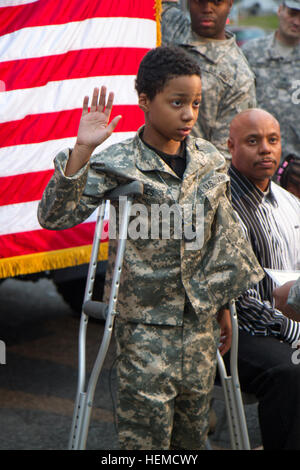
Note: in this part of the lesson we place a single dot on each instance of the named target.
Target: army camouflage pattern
(227, 81)
(294, 296)
(157, 274)
(276, 77)
(183, 358)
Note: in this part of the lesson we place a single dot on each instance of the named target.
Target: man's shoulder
(239, 61)
(199, 146)
(257, 48)
(175, 24)
(232, 63)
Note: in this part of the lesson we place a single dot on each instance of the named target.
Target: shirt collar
(245, 189)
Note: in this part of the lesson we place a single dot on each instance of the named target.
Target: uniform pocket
(124, 331)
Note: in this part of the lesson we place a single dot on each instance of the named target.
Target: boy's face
(172, 113)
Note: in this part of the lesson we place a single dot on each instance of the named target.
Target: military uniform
(277, 87)
(169, 295)
(227, 81)
(294, 296)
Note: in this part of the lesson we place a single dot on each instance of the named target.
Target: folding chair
(100, 310)
(229, 391)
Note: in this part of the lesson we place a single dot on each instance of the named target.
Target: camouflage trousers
(165, 379)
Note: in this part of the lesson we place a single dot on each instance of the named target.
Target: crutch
(236, 418)
(85, 394)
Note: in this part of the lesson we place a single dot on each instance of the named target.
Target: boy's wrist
(79, 157)
(82, 152)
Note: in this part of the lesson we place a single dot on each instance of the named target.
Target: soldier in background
(227, 82)
(275, 61)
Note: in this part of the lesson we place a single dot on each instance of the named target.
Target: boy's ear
(143, 102)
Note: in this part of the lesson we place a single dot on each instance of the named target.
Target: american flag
(52, 53)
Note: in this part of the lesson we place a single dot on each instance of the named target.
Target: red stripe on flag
(51, 126)
(38, 241)
(23, 188)
(46, 12)
(29, 73)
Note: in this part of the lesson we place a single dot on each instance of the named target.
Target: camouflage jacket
(158, 273)
(294, 296)
(227, 81)
(277, 87)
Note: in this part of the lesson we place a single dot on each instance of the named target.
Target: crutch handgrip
(95, 309)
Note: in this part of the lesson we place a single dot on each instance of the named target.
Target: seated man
(270, 217)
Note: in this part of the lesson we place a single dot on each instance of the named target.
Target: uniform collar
(148, 160)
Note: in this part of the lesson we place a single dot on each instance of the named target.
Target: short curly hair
(160, 65)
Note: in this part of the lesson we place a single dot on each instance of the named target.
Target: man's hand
(224, 321)
(280, 296)
(94, 129)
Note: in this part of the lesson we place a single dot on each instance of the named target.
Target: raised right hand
(94, 129)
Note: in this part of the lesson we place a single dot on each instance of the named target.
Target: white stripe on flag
(47, 40)
(14, 3)
(23, 218)
(63, 95)
(39, 157)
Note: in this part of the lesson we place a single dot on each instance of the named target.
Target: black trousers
(270, 369)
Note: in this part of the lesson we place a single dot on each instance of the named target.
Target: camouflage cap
(294, 4)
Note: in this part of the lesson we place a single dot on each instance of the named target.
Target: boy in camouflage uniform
(227, 81)
(275, 61)
(171, 295)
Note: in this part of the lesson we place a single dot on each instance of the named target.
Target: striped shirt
(271, 222)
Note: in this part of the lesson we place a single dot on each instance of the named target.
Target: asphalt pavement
(39, 378)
